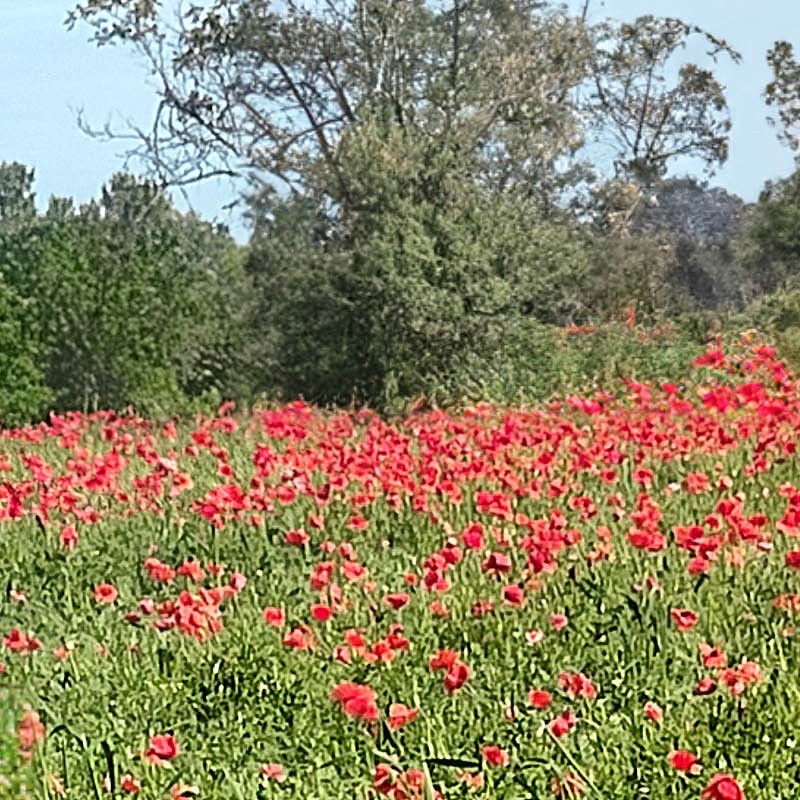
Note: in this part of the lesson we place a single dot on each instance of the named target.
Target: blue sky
(48, 73)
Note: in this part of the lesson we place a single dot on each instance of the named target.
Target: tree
(131, 301)
(17, 200)
(431, 269)
(649, 121)
(253, 86)
(768, 246)
(783, 93)
(429, 147)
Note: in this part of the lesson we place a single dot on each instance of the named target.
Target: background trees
(429, 202)
(122, 300)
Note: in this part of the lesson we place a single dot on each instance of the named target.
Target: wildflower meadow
(594, 597)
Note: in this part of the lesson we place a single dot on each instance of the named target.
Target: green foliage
(768, 247)
(421, 270)
(23, 392)
(538, 362)
(133, 303)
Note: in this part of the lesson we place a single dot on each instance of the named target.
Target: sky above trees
(49, 74)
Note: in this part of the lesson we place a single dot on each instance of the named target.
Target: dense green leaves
(125, 301)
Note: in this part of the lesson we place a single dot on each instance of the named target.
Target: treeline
(431, 214)
(126, 301)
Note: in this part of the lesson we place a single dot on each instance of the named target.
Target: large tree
(427, 147)
(271, 88)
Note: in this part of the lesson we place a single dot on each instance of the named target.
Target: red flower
(129, 784)
(356, 700)
(159, 571)
(793, 559)
(273, 772)
(383, 779)
(705, 686)
(68, 537)
(301, 638)
(563, 724)
(494, 756)
(297, 537)
(192, 570)
(18, 642)
(456, 677)
(713, 657)
(653, 712)
(400, 715)
(321, 612)
(105, 593)
(684, 761)
(534, 637)
(684, 618)
(559, 621)
(443, 659)
(237, 581)
(29, 732)
(274, 616)
(576, 684)
(163, 747)
(723, 786)
(397, 600)
(539, 698)
(514, 595)
(496, 563)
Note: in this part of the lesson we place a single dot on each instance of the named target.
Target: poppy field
(596, 597)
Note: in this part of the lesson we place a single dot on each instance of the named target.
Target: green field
(592, 598)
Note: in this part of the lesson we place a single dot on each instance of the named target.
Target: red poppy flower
(301, 638)
(383, 779)
(723, 786)
(539, 698)
(793, 559)
(494, 756)
(105, 594)
(534, 637)
(684, 618)
(443, 659)
(514, 595)
(563, 724)
(297, 537)
(559, 621)
(321, 612)
(684, 761)
(129, 784)
(397, 600)
(400, 715)
(273, 772)
(356, 700)
(713, 657)
(237, 581)
(705, 686)
(274, 616)
(68, 537)
(163, 747)
(576, 684)
(653, 712)
(30, 732)
(456, 677)
(18, 642)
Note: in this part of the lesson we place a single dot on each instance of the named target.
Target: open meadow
(593, 598)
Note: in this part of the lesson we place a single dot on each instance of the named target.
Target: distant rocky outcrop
(684, 207)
